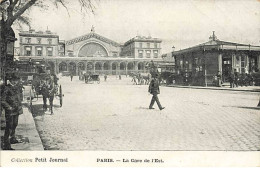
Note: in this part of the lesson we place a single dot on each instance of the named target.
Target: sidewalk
(26, 132)
(248, 88)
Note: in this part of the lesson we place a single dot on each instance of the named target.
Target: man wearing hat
(154, 90)
(12, 103)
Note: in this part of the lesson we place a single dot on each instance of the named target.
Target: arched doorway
(114, 68)
(62, 67)
(130, 66)
(98, 67)
(81, 68)
(90, 67)
(72, 68)
(140, 66)
(106, 68)
(51, 66)
(122, 68)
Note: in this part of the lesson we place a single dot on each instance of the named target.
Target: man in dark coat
(236, 79)
(231, 79)
(71, 76)
(154, 90)
(105, 77)
(12, 103)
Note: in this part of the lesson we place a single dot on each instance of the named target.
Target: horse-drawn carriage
(91, 78)
(38, 81)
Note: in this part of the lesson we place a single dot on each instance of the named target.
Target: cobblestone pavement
(114, 115)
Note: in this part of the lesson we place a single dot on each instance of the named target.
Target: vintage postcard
(140, 83)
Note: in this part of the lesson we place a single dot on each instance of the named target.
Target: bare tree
(17, 11)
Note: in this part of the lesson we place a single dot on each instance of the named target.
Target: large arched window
(92, 50)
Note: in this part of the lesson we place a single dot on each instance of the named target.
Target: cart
(32, 76)
(93, 78)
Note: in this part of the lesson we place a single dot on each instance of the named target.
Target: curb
(26, 130)
(215, 88)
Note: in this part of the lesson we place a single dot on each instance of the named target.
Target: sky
(179, 23)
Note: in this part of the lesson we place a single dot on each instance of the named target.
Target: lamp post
(8, 55)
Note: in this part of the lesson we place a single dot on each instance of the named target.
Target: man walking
(154, 90)
(12, 103)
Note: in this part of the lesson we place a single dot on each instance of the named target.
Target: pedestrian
(105, 77)
(155, 90)
(134, 79)
(85, 77)
(12, 103)
(119, 77)
(250, 79)
(71, 76)
(219, 84)
(231, 79)
(30, 64)
(20, 88)
(236, 79)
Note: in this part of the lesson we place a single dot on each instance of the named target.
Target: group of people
(243, 79)
(11, 106)
(235, 79)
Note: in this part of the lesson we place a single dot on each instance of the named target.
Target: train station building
(89, 53)
(199, 64)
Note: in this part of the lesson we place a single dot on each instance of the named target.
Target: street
(114, 115)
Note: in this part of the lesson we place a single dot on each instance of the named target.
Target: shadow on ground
(254, 108)
(37, 109)
(244, 107)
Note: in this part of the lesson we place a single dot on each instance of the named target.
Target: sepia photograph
(130, 82)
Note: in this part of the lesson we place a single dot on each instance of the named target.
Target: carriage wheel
(98, 80)
(60, 95)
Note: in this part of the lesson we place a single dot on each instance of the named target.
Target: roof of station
(215, 43)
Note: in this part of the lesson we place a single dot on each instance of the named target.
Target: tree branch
(19, 12)
(63, 4)
(3, 1)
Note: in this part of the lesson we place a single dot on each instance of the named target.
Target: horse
(48, 90)
(144, 78)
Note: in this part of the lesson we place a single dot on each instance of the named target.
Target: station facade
(89, 53)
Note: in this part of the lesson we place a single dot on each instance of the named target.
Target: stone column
(94, 65)
(77, 68)
(126, 69)
(118, 69)
(246, 64)
(220, 63)
(86, 66)
(102, 68)
(136, 66)
(111, 68)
